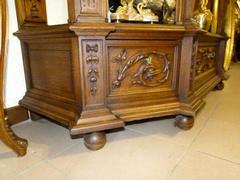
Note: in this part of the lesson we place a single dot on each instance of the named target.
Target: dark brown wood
(93, 76)
(184, 122)
(34, 116)
(16, 143)
(95, 141)
(16, 114)
(31, 12)
(219, 86)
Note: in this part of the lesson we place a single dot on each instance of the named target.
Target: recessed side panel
(206, 63)
(51, 69)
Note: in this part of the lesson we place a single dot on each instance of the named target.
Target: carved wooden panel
(87, 10)
(206, 59)
(31, 11)
(90, 6)
(138, 69)
(93, 72)
(35, 10)
(206, 63)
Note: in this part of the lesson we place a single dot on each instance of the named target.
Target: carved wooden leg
(19, 145)
(184, 122)
(34, 116)
(95, 141)
(16, 143)
(219, 86)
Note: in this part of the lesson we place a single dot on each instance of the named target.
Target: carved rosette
(147, 74)
(205, 59)
(92, 60)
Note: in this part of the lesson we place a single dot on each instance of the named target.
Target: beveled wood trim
(16, 114)
(17, 144)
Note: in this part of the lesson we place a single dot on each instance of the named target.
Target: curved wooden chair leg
(18, 144)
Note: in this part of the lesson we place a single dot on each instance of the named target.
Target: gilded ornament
(127, 12)
(203, 16)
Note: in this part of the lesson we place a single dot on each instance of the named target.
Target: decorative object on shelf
(146, 72)
(127, 12)
(164, 9)
(16, 143)
(203, 16)
(169, 15)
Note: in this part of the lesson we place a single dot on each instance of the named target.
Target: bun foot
(219, 86)
(184, 122)
(95, 141)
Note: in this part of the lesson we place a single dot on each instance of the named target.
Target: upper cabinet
(207, 15)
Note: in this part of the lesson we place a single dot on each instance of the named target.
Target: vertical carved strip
(92, 61)
(193, 65)
(92, 71)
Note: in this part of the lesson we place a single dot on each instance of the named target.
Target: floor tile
(45, 138)
(220, 137)
(165, 129)
(11, 165)
(43, 171)
(127, 155)
(197, 166)
(212, 100)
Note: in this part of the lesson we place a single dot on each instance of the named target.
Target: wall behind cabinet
(15, 82)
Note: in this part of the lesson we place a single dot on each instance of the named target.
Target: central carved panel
(141, 69)
(148, 73)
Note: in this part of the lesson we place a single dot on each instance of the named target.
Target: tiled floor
(147, 151)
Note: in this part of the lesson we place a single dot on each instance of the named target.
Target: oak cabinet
(91, 75)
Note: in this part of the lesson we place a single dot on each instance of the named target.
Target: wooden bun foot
(184, 122)
(95, 141)
(219, 86)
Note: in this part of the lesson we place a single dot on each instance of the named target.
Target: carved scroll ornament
(205, 60)
(147, 73)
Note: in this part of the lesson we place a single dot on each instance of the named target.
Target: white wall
(15, 81)
(57, 11)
